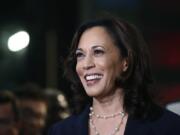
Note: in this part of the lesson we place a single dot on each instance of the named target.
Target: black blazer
(167, 123)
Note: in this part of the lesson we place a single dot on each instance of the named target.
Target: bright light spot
(18, 41)
(62, 100)
(64, 115)
(174, 107)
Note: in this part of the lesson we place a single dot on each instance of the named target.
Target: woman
(109, 68)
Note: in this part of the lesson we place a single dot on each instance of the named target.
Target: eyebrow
(98, 46)
(93, 47)
(79, 49)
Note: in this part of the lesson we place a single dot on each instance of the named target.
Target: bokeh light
(18, 41)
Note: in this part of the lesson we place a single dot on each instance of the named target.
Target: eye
(79, 55)
(98, 52)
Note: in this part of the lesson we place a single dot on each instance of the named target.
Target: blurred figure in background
(58, 107)
(40, 108)
(34, 107)
(9, 114)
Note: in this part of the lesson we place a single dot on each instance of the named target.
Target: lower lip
(91, 83)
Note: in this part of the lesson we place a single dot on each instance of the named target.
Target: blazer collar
(82, 122)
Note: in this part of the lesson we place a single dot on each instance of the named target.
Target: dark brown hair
(136, 81)
(7, 97)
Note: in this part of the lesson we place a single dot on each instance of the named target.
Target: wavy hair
(136, 81)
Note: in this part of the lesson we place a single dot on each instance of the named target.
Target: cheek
(78, 70)
(117, 68)
(106, 65)
(113, 69)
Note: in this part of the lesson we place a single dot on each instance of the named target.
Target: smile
(91, 77)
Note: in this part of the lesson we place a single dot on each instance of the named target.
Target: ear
(125, 64)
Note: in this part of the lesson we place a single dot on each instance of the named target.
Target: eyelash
(98, 52)
(79, 55)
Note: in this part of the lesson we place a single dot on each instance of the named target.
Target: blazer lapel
(82, 122)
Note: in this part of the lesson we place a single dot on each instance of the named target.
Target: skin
(100, 60)
(97, 54)
(35, 114)
(10, 127)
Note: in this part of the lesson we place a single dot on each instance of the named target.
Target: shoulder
(75, 124)
(171, 116)
(168, 117)
(166, 123)
(63, 126)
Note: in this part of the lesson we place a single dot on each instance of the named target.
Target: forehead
(97, 35)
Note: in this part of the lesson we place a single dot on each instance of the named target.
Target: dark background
(51, 24)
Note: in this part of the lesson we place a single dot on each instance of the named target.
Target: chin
(91, 93)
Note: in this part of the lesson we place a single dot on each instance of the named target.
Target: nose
(88, 63)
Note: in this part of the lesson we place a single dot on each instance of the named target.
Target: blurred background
(52, 23)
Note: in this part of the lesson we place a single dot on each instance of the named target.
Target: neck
(110, 104)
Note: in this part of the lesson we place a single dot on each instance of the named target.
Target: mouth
(92, 79)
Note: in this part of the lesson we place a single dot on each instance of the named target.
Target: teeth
(92, 77)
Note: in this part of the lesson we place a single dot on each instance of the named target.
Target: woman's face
(99, 62)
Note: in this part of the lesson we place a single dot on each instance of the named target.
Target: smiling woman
(109, 69)
(98, 62)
